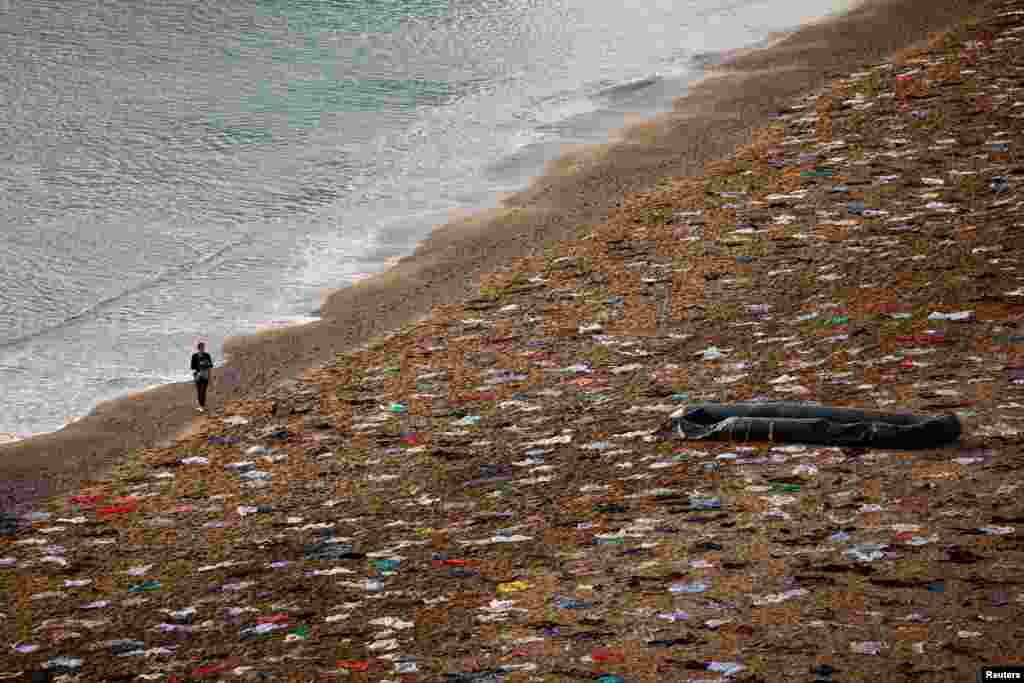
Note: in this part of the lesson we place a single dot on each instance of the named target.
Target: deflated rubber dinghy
(792, 422)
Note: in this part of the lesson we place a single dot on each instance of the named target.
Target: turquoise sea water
(181, 170)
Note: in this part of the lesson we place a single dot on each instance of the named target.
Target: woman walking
(202, 364)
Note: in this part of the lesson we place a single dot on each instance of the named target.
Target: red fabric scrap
(603, 655)
(116, 509)
(215, 668)
(273, 619)
(86, 500)
(456, 563)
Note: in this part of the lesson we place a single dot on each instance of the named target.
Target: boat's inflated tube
(792, 422)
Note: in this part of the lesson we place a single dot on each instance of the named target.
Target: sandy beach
(518, 469)
(708, 123)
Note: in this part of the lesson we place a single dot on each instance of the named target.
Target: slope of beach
(490, 493)
(708, 123)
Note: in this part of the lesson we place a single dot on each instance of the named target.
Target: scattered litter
(588, 468)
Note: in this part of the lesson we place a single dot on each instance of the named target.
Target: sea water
(181, 170)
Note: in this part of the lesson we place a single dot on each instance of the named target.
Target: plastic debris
(959, 316)
(688, 587)
(867, 647)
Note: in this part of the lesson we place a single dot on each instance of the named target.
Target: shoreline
(8, 438)
(712, 118)
(494, 203)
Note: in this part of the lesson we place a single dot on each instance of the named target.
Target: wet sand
(709, 122)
